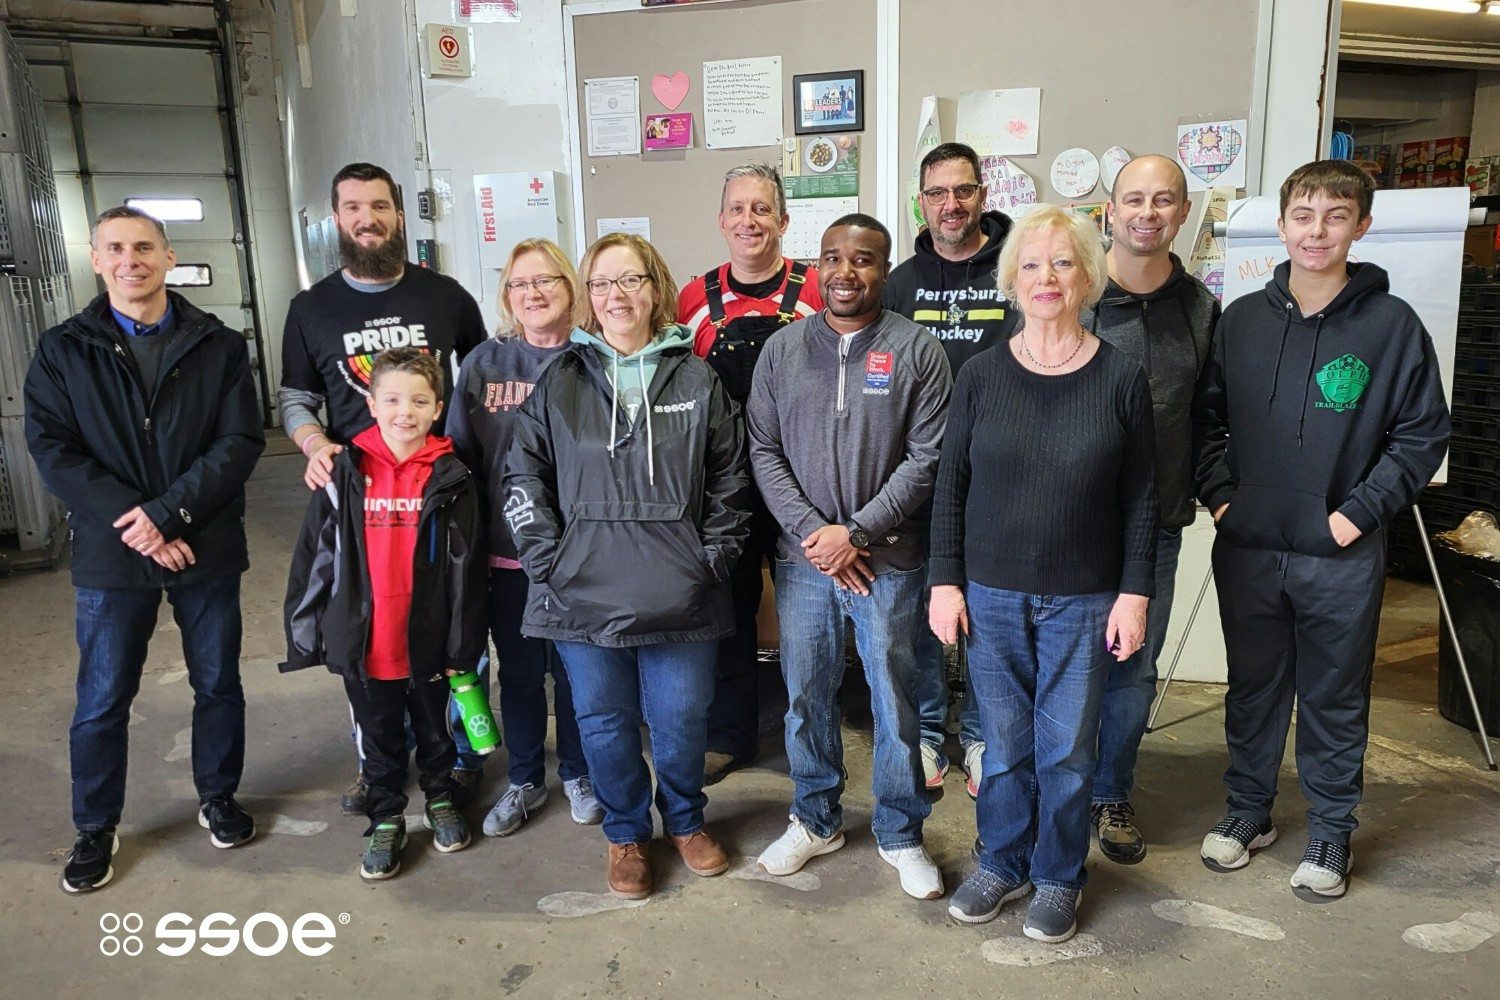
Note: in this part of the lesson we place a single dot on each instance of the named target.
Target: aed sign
(450, 50)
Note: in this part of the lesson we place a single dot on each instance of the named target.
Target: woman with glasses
(623, 494)
(538, 291)
(1043, 553)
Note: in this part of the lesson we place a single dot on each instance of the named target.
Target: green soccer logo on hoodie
(1343, 381)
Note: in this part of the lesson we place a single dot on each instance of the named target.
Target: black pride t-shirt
(333, 333)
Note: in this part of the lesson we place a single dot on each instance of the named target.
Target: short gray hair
(1088, 249)
(126, 212)
(763, 171)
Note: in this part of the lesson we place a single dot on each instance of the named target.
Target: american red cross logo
(536, 185)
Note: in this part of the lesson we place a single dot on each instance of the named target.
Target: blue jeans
(522, 673)
(932, 693)
(114, 629)
(1037, 665)
(1132, 684)
(670, 685)
(813, 610)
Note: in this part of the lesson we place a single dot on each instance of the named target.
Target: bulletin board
(678, 190)
(1110, 74)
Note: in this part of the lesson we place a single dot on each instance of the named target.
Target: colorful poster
(1009, 188)
(1206, 261)
(673, 131)
(1213, 154)
(929, 135)
(1000, 122)
(821, 166)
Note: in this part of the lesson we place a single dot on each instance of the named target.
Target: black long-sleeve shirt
(1047, 482)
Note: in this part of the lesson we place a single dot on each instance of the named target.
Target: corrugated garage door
(134, 120)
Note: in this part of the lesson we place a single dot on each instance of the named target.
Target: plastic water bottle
(474, 709)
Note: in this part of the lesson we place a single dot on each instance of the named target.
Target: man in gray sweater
(1163, 318)
(845, 417)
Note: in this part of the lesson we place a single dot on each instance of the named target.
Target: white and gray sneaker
(920, 877)
(513, 809)
(1323, 875)
(1227, 847)
(979, 898)
(584, 806)
(1052, 917)
(795, 848)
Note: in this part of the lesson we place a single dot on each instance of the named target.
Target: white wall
(1299, 86)
(1484, 139)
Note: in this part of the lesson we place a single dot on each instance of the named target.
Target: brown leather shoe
(629, 871)
(701, 853)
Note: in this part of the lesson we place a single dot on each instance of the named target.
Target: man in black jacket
(948, 286)
(1164, 319)
(142, 418)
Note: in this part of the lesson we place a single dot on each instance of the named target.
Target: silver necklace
(1032, 358)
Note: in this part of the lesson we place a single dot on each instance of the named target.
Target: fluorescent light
(1442, 6)
(169, 209)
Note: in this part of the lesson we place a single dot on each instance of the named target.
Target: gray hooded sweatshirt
(849, 428)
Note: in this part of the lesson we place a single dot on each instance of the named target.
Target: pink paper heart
(670, 90)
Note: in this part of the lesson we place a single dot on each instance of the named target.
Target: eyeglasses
(627, 283)
(961, 194)
(541, 283)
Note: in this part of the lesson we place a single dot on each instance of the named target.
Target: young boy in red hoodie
(387, 589)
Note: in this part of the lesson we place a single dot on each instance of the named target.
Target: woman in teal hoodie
(622, 491)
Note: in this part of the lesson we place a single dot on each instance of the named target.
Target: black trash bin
(1472, 586)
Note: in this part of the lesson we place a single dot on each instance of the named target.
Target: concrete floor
(512, 917)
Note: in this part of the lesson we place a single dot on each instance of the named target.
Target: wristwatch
(858, 537)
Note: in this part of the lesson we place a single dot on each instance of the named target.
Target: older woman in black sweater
(1043, 550)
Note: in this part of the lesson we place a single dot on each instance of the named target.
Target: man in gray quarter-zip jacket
(845, 418)
(1164, 319)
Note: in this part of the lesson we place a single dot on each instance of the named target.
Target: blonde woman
(623, 491)
(1043, 553)
(538, 292)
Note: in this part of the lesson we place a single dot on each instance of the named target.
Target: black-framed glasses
(961, 193)
(541, 283)
(627, 283)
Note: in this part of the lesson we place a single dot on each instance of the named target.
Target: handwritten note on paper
(1000, 122)
(742, 103)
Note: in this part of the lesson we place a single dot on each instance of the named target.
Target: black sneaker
(1119, 840)
(1227, 846)
(88, 866)
(465, 785)
(449, 831)
(1052, 917)
(355, 796)
(383, 852)
(227, 824)
(979, 899)
(1323, 875)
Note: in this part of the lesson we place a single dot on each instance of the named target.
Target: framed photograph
(829, 102)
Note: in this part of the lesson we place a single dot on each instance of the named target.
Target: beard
(957, 239)
(374, 263)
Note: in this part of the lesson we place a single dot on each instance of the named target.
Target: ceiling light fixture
(1440, 6)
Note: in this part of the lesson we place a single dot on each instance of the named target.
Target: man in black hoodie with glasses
(948, 286)
(1164, 319)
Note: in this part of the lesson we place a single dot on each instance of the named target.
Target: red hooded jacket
(393, 511)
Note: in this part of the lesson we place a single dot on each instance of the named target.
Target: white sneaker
(582, 802)
(934, 765)
(974, 767)
(795, 848)
(920, 877)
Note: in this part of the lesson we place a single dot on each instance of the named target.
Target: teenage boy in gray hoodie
(846, 417)
(1163, 318)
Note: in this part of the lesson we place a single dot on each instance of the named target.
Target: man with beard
(733, 310)
(335, 328)
(1164, 319)
(846, 418)
(948, 285)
